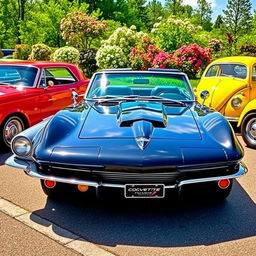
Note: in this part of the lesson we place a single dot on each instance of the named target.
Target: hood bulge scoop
(140, 121)
(130, 112)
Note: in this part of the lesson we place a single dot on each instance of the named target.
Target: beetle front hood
(140, 119)
(221, 90)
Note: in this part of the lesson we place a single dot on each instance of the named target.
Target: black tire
(10, 128)
(205, 192)
(218, 194)
(55, 192)
(248, 130)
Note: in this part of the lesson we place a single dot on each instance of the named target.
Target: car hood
(221, 90)
(140, 120)
(6, 91)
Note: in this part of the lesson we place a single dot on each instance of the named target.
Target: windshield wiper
(105, 99)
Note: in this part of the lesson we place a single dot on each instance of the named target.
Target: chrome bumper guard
(31, 170)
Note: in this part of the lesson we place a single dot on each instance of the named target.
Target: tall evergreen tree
(154, 9)
(203, 14)
(237, 17)
(219, 22)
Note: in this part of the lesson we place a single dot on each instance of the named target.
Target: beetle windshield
(227, 70)
(166, 85)
(17, 75)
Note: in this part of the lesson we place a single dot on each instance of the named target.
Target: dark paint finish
(98, 142)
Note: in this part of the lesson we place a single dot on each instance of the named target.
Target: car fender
(250, 107)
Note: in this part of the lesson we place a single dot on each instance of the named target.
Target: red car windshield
(18, 75)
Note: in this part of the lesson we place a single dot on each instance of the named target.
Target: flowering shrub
(248, 49)
(172, 33)
(22, 51)
(40, 52)
(87, 61)
(147, 55)
(66, 54)
(125, 38)
(192, 58)
(80, 29)
(215, 45)
(111, 57)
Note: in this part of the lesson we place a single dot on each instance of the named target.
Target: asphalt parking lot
(128, 228)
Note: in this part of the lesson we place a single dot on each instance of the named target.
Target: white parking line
(51, 230)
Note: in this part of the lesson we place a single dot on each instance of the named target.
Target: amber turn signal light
(82, 188)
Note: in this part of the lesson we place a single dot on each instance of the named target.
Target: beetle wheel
(10, 128)
(248, 130)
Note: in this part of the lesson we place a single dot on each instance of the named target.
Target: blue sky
(217, 6)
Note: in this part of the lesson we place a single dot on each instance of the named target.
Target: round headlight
(21, 146)
(236, 102)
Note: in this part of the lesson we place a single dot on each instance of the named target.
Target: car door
(59, 82)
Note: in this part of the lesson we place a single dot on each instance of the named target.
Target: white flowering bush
(66, 54)
(172, 33)
(111, 57)
(125, 38)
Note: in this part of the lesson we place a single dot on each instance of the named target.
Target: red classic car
(32, 91)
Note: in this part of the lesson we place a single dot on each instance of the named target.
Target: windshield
(229, 70)
(168, 86)
(17, 75)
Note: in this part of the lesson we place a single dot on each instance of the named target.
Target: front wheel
(10, 128)
(248, 130)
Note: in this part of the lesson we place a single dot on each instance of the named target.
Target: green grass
(194, 82)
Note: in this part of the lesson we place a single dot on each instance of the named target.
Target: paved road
(146, 227)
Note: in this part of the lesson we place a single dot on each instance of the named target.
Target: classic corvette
(231, 86)
(141, 132)
(32, 91)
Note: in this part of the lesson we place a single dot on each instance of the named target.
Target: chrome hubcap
(251, 130)
(12, 128)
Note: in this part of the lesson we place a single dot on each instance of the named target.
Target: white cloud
(193, 3)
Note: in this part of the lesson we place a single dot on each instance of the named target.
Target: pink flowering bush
(40, 52)
(80, 29)
(147, 55)
(192, 58)
(21, 51)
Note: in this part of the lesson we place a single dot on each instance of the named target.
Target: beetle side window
(254, 74)
(212, 71)
(58, 76)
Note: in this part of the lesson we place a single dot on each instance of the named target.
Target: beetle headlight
(21, 146)
(236, 102)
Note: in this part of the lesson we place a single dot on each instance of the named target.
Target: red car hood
(7, 92)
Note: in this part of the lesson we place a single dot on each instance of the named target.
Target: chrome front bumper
(31, 170)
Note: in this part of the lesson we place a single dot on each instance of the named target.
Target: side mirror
(204, 95)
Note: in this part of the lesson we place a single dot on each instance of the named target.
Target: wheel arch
(249, 108)
(23, 117)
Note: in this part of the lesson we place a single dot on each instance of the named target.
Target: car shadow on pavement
(3, 157)
(154, 223)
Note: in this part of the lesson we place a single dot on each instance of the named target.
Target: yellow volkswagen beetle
(229, 86)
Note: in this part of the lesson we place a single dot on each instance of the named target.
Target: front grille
(111, 176)
(135, 176)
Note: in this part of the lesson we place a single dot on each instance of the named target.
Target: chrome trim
(30, 168)
(232, 119)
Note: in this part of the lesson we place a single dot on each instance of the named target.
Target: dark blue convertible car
(141, 132)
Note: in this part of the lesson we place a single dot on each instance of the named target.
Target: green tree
(219, 22)
(176, 8)
(154, 10)
(237, 17)
(203, 14)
